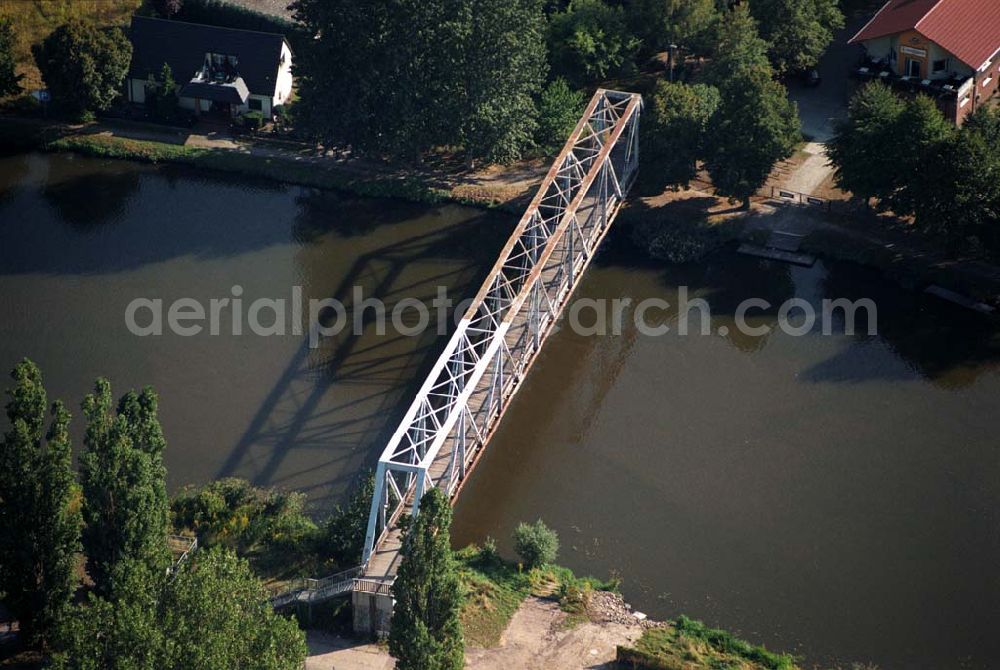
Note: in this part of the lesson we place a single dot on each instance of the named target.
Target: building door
(913, 68)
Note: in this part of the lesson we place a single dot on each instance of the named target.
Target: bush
(559, 109)
(536, 543)
(233, 513)
(253, 120)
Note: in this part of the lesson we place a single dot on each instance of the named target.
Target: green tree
(865, 144)
(922, 129)
(686, 23)
(798, 31)
(739, 49)
(123, 477)
(559, 110)
(167, 8)
(39, 508)
(960, 197)
(83, 66)
(10, 80)
(985, 121)
(590, 41)
(536, 543)
(344, 532)
(505, 65)
(674, 130)
(414, 74)
(214, 615)
(167, 95)
(426, 633)
(755, 125)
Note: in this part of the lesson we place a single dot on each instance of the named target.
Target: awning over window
(234, 92)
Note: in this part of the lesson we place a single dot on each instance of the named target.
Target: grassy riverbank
(495, 589)
(685, 644)
(278, 169)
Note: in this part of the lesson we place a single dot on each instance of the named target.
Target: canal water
(835, 496)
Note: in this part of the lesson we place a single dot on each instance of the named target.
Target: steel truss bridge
(460, 404)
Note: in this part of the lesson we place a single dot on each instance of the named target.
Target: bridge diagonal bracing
(459, 405)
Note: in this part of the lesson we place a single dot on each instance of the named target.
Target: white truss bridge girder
(459, 405)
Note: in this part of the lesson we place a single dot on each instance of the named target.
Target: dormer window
(221, 67)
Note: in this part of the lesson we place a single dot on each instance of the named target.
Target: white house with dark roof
(221, 70)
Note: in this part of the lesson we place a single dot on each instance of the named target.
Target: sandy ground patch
(536, 639)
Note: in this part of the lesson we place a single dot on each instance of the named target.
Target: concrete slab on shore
(777, 255)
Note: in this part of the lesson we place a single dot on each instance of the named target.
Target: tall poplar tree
(39, 508)
(426, 633)
(124, 485)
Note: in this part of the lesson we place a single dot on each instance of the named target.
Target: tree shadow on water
(92, 201)
(945, 344)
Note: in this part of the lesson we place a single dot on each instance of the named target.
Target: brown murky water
(81, 239)
(835, 496)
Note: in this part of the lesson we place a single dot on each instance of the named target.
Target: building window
(940, 66)
(987, 81)
(965, 101)
(255, 104)
(913, 68)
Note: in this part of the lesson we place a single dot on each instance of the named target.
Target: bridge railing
(314, 590)
(456, 409)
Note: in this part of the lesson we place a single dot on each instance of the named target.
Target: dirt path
(536, 639)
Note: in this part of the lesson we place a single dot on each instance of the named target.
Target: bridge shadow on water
(344, 398)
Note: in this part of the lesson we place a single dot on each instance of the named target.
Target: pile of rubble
(608, 607)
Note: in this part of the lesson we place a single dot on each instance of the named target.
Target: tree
(167, 8)
(344, 534)
(590, 41)
(10, 80)
(505, 65)
(960, 196)
(213, 614)
(985, 121)
(167, 97)
(559, 110)
(425, 633)
(686, 23)
(738, 48)
(864, 146)
(755, 125)
(922, 129)
(39, 508)
(674, 131)
(83, 66)
(412, 75)
(123, 477)
(536, 543)
(798, 31)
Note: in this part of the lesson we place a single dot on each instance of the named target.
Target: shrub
(253, 119)
(488, 553)
(233, 513)
(536, 543)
